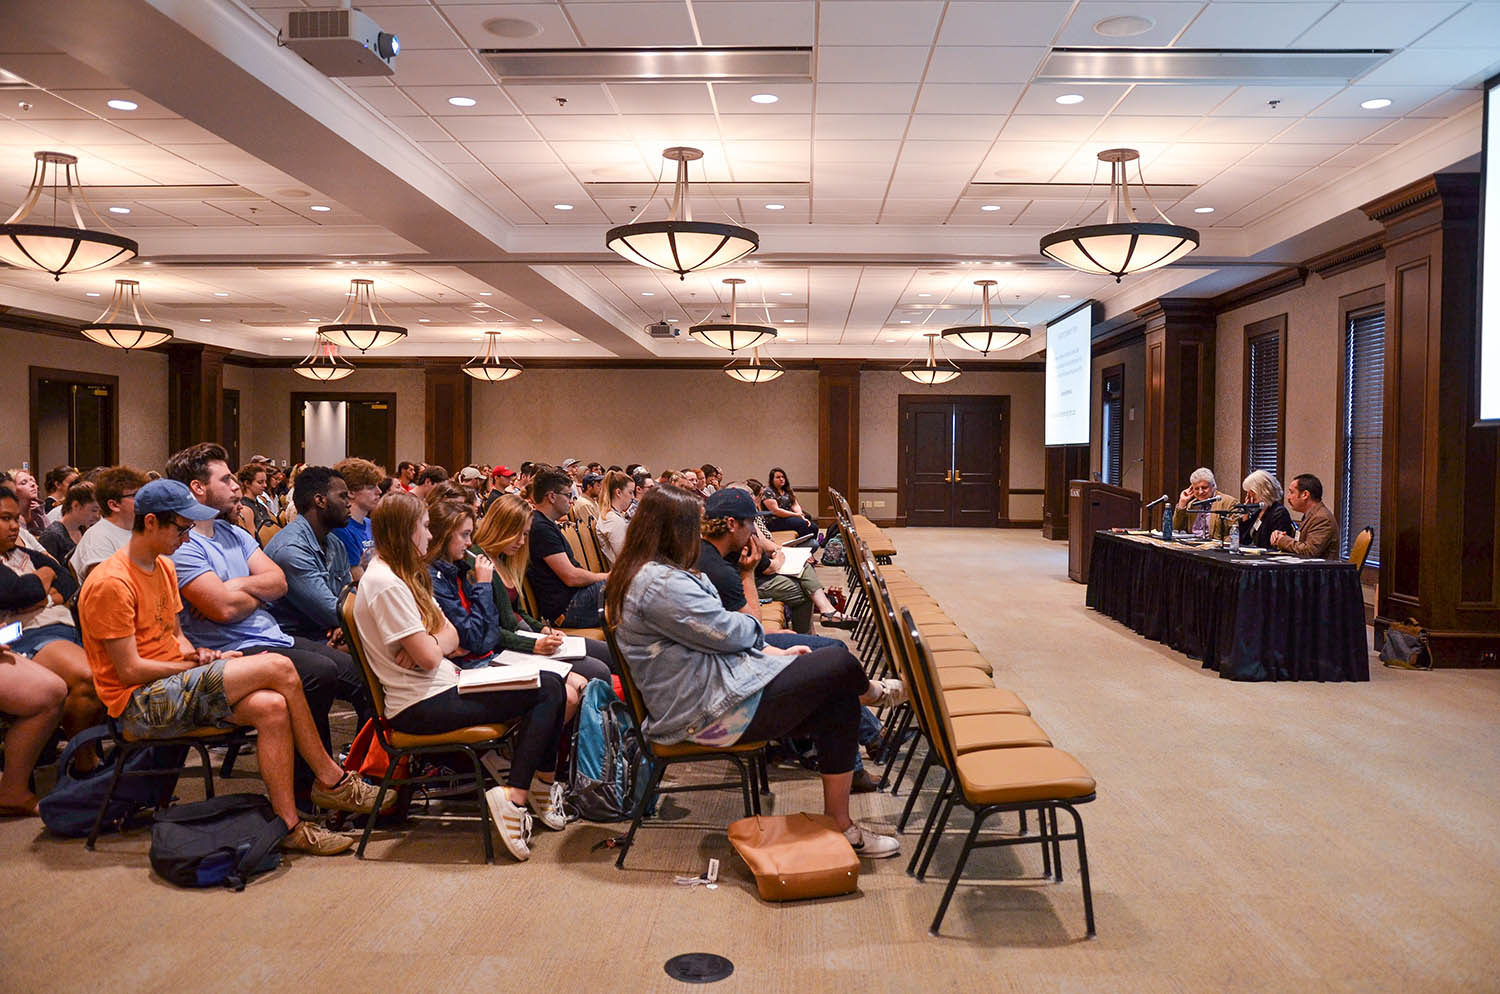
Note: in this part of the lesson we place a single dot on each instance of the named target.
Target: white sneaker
(547, 804)
(892, 694)
(512, 821)
(871, 845)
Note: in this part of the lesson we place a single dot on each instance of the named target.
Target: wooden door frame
(39, 373)
(903, 438)
(299, 429)
(236, 452)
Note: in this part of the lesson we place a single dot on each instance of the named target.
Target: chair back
(887, 624)
(929, 699)
(528, 600)
(356, 647)
(633, 698)
(1359, 549)
(266, 533)
(575, 542)
(583, 540)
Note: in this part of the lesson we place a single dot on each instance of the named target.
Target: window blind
(1364, 399)
(1113, 429)
(1263, 405)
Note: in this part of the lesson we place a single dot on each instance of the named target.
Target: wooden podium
(1092, 507)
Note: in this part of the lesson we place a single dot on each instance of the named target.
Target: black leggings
(541, 711)
(796, 523)
(816, 697)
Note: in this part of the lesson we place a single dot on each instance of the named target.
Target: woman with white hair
(1256, 528)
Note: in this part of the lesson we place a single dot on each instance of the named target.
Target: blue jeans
(586, 609)
(869, 725)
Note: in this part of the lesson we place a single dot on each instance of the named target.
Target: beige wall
(879, 434)
(659, 417)
(1133, 358)
(1315, 344)
(142, 398)
(265, 406)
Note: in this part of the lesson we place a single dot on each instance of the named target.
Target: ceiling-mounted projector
(341, 41)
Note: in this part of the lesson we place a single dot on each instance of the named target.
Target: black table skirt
(1277, 621)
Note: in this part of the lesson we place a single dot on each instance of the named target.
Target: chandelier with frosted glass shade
(127, 323)
(363, 324)
(987, 336)
(1122, 244)
(754, 369)
(934, 370)
(38, 237)
(492, 367)
(732, 335)
(325, 363)
(680, 244)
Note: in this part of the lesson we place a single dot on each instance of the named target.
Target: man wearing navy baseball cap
(158, 684)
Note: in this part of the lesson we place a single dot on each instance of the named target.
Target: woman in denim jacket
(707, 675)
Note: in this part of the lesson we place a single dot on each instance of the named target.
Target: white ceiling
(912, 102)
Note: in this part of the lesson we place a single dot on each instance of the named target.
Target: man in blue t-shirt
(567, 595)
(364, 478)
(227, 582)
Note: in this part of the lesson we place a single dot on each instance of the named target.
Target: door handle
(957, 477)
(948, 476)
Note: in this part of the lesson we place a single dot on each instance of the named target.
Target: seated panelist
(1202, 494)
(1257, 527)
(1318, 535)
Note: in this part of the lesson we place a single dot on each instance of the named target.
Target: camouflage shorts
(179, 703)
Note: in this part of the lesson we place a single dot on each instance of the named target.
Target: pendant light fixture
(324, 363)
(986, 337)
(932, 371)
(28, 242)
(491, 366)
(753, 370)
(363, 325)
(733, 335)
(1123, 244)
(127, 323)
(679, 244)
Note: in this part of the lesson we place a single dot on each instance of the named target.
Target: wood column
(195, 394)
(1439, 519)
(1062, 463)
(838, 435)
(1179, 430)
(448, 427)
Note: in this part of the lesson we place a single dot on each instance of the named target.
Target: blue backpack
(220, 842)
(70, 808)
(610, 774)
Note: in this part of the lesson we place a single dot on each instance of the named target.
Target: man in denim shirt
(313, 557)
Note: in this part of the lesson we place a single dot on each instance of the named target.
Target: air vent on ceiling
(1163, 192)
(1196, 65)
(636, 192)
(647, 65)
(171, 194)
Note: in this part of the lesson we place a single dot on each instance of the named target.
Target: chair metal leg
(208, 774)
(936, 837)
(1046, 844)
(121, 751)
(1083, 871)
(385, 784)
(765, 772)
(911, 752)
(657, 769)
(748, 788)
(916, 788)
(231, 753)
(932, 816)
(484, 807)
(900, 720)
(958, 870)
(1057, 868)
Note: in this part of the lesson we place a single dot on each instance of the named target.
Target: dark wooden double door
(955, 454)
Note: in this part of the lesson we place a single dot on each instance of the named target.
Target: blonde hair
(391, 526)
(508, 518)
(1264, 486)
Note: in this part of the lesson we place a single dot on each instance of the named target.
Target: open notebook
(796, 560)
(510, 671)
(572, 645)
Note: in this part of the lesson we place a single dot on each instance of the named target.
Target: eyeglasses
(182, 529)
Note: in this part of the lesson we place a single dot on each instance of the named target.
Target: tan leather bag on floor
(796, 856)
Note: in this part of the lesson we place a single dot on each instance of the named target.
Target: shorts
(34, 640)
(178, 704)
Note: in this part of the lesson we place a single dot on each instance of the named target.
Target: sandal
(837, 619)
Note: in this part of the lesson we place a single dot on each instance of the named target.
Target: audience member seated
(76, 514)
(1202, 494)
(37, 591)
(505, 537)
(407, 640)
(524, 477)
(644, 481)
(226, 580)
(462, 588)
(707, 674)
(787, 514)
(1272, 516)
(502, 482)
(406, 474)
(33, 697)
(363, 478)
(58, 481)
(712, 478)
(798, 593)
(314, 562)
(115, 488)
(158, 684)
(619, 497)
(427, 480)
(1317, 536)
(586, 504)
(24, 486)
(253, 514)
(575, 470)
(470, 478)
(567, 595)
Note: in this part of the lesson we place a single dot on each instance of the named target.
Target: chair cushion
(679, 749)
(972, 732)
(1008, 776)
(941, 643)
(459, 736)
(962, 678)
(964, 658)
(983, 700)
(589, 633)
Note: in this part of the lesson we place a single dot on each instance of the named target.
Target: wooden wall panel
(838, 434)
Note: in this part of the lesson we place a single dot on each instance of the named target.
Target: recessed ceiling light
(1065, 296)
(562, 207)
(764, 98)
(92, 293)
(785, 293)
(536, 320)
(205, 320)
(671, 320)
(575, 339)
(924, 295)
(320, 208)
(121, 104)
(789, 321)
(1070, 98)
(1124, 26)
(1203, 210)
(314, 319)
(424, 320)
(220, 293)
(990, 207)
(485, 293)
(903, 322)
(462, 101)
(775, 207)
(119, 210)
(890, 339)
(647, 293)
(1376, 104)
(286, 338)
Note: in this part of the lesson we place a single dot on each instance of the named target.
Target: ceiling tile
(859, 126)
(773, 22)
(969, 64)
(1404, 100)
(523, 25)
(767, 151)
(1138, 129)
(1168, 18)
(935, 127)
(1018, 161)
(977, 98)
(1290, 102)
(515, 151)
(439, 67)
(748, 126)
(1476, 26)
(1448, 104)
(447, 152)
(541, 98)
(865, 98)
(1041, 98)
(877, 22)
(1024, 23)
(949, 153)
(1374, 25)
(1251, 25)
(1172, 99)
(734, 98)
(1055, 127)
(389, 101)
(586, 127)
(623, 24)
(489, 99)
(1400, 131)
(661, 98)
(872, 153)
(1438, 66)
(1290, 154)
(481, 128)
(1332, 129)
(865, 64)
(417, 27)
(1235, 129)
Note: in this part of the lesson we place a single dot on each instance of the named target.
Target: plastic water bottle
(1166, 521)
(1234, 538)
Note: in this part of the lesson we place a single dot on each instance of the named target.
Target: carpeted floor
(1247, 837)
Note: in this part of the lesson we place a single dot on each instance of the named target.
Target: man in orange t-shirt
(157, 684)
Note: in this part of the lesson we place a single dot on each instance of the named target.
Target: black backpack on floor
(220, 842)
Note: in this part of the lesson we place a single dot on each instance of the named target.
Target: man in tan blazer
(1202, 487)
(1318, 535)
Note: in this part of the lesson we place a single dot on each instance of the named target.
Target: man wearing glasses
(567, 595)
(115, 488)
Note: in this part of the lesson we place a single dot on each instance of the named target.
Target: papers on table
(796, 561)
(572, 646)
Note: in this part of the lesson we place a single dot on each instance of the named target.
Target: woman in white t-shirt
(619, 494)
(407, 641)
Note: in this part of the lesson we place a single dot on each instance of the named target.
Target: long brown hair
(771, 482)
(663, 530)
(444, 517)
(614, 482)
(391, 526)
(508, 518)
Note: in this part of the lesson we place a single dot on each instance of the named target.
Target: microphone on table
(1158, 501)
